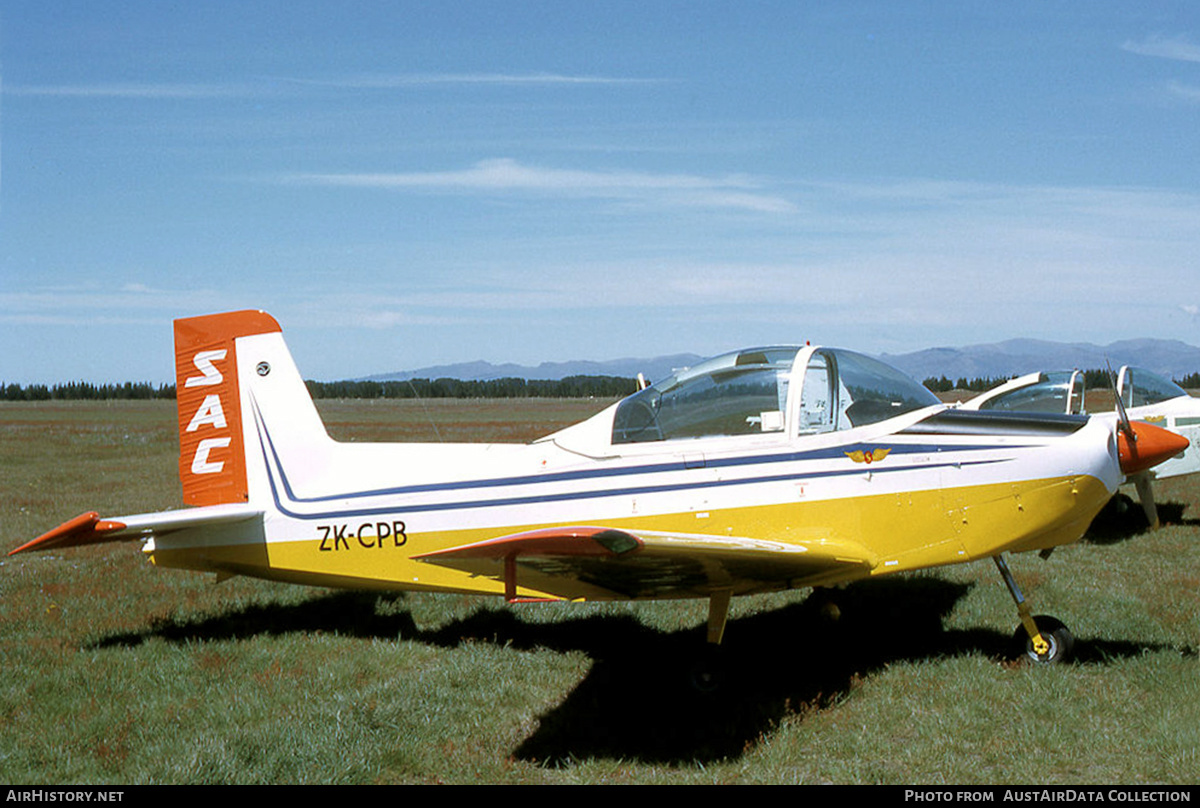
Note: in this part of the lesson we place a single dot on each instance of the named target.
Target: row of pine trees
(570, 387)
(1092, 379)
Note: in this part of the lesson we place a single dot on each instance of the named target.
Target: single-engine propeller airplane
(759, 470)
(1141, 395)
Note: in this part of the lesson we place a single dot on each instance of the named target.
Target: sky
(404, 184)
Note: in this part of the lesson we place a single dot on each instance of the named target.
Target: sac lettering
(200, 462)
(204, 363)
(211, 412)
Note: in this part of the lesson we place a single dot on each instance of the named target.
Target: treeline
(1092, 379)
(941, 384)
(570, 387)
(85, 391)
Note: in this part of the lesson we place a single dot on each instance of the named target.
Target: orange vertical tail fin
(212, 461)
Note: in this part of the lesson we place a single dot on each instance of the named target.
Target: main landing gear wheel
(708, 671)
(1060, 638)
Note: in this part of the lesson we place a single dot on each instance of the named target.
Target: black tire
(1062, 642)
(708, 672)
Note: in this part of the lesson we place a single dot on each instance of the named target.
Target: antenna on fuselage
(421, 401)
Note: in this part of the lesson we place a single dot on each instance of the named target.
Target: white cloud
(90, 304)
(1188, 92)
(384, 82)
(898, 265)
(1178, 48)
(129, 90)
(508, 175)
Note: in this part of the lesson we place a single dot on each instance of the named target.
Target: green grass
(116, 672)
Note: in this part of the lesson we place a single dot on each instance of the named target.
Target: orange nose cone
(1153, 445)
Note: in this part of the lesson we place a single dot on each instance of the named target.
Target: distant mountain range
(653, 369)
(1014, 357)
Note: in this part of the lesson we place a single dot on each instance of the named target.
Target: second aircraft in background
(1141, 394)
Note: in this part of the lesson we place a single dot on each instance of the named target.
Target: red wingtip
(1153, 445)
(87, 528)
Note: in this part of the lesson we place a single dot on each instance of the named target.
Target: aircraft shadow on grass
(637, 702)
(1123, 519)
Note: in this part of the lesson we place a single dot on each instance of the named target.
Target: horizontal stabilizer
(596, 562)
(89, 528)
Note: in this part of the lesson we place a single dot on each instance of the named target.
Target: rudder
(212, 459)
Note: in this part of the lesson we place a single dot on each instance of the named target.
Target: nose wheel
(1060, 642)
(1043, 640)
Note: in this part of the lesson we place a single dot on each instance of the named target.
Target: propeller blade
(1123, 422)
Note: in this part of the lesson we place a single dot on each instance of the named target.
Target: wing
(89, 528)
(606, 563)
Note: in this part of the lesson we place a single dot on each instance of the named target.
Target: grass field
(115, 672)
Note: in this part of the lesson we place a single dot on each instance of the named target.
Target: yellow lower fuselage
(929, 501)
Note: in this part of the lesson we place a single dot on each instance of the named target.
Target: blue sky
(405, 184)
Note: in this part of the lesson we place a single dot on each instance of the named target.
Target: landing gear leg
(1145, 493)
(718, 614)
(708, 673)
(1040, 639)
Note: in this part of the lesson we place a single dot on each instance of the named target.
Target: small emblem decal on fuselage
(868, 456)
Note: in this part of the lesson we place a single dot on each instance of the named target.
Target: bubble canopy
(1140, 387)
(1053, 391)
(747, 392)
